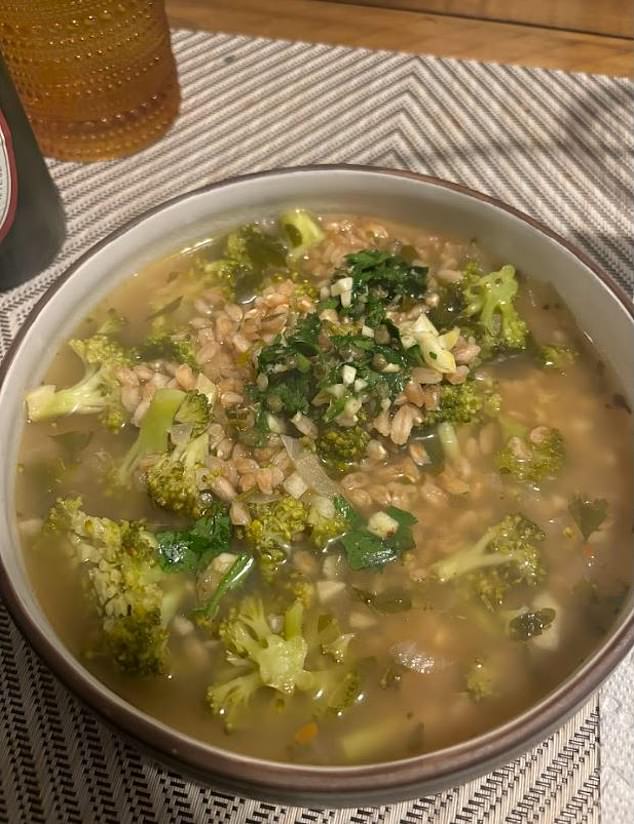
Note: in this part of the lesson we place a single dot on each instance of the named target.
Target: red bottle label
(8, 179)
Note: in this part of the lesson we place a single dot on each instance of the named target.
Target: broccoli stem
(468, 560)
(154, 432)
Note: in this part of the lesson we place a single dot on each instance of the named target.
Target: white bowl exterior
(509, 238)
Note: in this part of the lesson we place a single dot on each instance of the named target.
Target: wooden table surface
(597, 34)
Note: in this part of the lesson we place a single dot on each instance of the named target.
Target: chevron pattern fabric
(556, 145)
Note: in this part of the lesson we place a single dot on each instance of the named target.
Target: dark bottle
(31, 216)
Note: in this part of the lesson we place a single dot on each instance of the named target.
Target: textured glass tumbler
(97, 77)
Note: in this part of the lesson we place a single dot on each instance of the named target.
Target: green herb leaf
(233, 578)
(531, 624)
(588, 514)
(365, 550)
(191, 550)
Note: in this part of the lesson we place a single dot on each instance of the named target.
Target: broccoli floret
(534, 458)
(336, 690)
(264, 658)
(339, 448)
(558, 357)
(162, 345)
(267, 658)
(452, 299)
(479, 681)
(326, 528)
(470, 401)
(123, 581)
(113, 323)
(331, 640)
(98, 391)
(272, 530)
(248, 255)
(286, 661)
(509, 547)
(153, 437)
(230, 699)
(176, 481)
(302, 230)
(299, 588)
(195, 411)
(490, 302)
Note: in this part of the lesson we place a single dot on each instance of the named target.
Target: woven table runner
(556, 145)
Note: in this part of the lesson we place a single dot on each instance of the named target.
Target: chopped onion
(295, 485)
(327, 590)
(308, 467)
(348, 374)
(276, 425)
(207, 388)
(340, 286)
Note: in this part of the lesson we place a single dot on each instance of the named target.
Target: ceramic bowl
(601, 308)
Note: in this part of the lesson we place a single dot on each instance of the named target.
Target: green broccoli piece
(331, 640)
(113, 323)
(510, 547)
(298, 657)
(272, 530)
(452, 298)
(534, 458)
(97, 392)
(266, 658)
(124, 583)
(299, 588)
(557, 357)
(195, 411)
(174, 347)
(470, 401)
(153, 437)
(490, 303)
(324, 530)
(302, 230)
(337, 689)
(479, 681)
(249, 254)
(177, 479)
(339, 448)
(230, 700)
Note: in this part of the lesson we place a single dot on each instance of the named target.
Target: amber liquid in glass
(97, 77)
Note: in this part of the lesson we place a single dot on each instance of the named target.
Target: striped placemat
(556, 145)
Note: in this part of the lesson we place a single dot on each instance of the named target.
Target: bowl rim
(390, 778)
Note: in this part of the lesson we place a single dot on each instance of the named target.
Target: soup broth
(389, 508)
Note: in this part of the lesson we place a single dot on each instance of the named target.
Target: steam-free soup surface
(332, 492)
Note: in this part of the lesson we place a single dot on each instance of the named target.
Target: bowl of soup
(317, 483)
